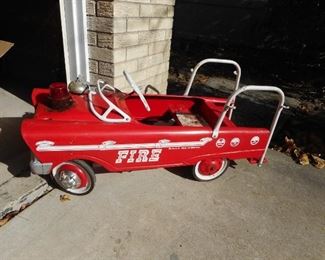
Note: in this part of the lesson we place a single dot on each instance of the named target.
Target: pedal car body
(125, 132)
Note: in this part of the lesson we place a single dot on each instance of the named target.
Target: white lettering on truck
(142, 155)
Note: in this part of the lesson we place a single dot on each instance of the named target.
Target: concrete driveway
(273, 212)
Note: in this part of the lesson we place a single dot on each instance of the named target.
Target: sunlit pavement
(273, 212)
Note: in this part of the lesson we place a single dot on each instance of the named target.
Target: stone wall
(131, 35)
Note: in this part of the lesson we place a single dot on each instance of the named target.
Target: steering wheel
(137, 90)
(111, 106)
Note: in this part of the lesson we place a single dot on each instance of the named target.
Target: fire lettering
(131, 158)
(143, 156)
(155, 155)
(137, 156)
(121, 156)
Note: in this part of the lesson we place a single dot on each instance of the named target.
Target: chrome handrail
(230, 105)
(213, 60)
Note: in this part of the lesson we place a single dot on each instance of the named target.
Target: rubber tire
(87, 169)
(198, 178)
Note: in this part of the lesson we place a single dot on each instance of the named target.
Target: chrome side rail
(230, 106)
(212, 60)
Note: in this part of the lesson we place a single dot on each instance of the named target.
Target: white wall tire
(209, 170)
(74, 177)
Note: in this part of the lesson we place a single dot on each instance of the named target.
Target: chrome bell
(77, 86)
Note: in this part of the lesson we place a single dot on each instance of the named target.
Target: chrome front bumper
(39, 168)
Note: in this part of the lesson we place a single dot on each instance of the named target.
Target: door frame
(74, 34)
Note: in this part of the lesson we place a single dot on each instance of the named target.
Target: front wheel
(208, 170)
(75, 177)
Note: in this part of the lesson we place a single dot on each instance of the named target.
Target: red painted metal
(150, 140)
(209, 167)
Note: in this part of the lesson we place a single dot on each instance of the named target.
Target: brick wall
(131, 35)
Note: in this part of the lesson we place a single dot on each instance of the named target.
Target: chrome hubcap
(69, 180)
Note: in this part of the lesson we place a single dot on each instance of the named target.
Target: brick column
(131, 35)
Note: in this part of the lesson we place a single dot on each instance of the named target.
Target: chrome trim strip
(49, 146)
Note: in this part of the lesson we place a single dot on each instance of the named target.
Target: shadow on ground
(13, 151)
(186, 171)
(183, 172)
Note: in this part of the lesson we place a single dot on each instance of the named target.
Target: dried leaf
(303, 159)
(64, 197)
(296, 153)
(289, 145)
(318, 162)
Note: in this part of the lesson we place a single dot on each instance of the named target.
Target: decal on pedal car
(49, 146)
(255, 140)
(234, 142)
(220, 142)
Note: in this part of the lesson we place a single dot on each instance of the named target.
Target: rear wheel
(75, 177)
(208, 170)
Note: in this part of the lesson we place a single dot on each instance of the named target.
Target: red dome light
(59, 96)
